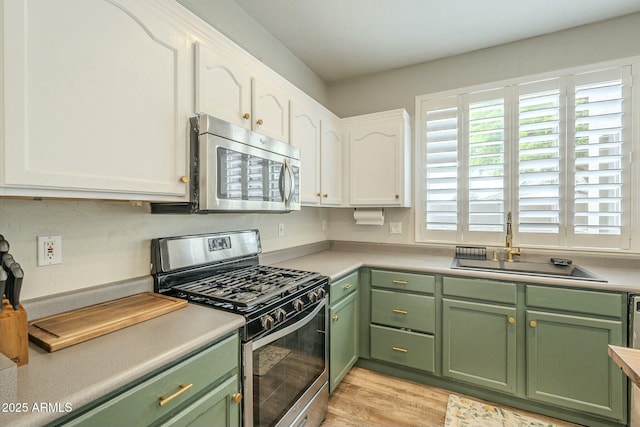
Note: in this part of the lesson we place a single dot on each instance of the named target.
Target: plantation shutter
(540, 145)
(486, 134)
(600, 143)
(441, 120)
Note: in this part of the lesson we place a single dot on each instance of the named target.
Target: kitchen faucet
(509, 241)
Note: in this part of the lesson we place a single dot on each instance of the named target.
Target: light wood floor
(367, 398)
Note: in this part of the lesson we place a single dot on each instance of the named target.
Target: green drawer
(403, 310)
(403, 281)
(141, 404)
(405, 348)
(343, 287)
(577, 301)
(479, 289)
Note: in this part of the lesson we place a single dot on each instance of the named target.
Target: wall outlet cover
(49, 250)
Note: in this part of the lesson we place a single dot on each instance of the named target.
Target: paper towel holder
(368, 216)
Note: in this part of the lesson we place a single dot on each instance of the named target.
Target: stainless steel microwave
(236, 170)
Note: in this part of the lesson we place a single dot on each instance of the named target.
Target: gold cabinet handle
(347, 286)
(533, 323)
(400, 349)
(183, 388)
(325, 195)
(246, 116)
(319, 194)
(396, 310)
(184, 179)
(236, 397)
(335, 318)
(397, 196)
(400, 282)
(259, 122)
(512, 320)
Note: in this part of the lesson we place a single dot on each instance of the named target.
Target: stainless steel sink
(546, 269)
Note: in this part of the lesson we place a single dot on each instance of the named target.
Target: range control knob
(298, 305)
(321, 293)
(312, 296)
(267, 322)
(280, 315)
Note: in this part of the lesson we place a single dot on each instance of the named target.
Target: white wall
(607, 40)
(231, 20)
(615, 38)
(104, 241)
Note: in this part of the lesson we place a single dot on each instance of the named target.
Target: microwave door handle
(281, 183)
(292, 185)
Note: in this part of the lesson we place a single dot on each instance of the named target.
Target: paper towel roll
(369, 216)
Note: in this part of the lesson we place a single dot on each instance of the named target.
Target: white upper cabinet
(228, 89)
(316, 131)
(270, 109)
(96, 100)
(331, 166)
(378, 152)
(223, 88)
(305, 134)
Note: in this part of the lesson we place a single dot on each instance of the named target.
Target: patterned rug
(269, 357)
(466, 412)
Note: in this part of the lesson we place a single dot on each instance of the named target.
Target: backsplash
(104, 242)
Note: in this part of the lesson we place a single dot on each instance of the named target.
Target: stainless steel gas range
(284, 342)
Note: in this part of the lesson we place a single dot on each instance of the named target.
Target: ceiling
(341, 39)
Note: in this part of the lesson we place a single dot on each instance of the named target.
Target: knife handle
(3, 283)
(18, 274)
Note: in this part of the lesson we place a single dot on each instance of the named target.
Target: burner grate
(248, 286)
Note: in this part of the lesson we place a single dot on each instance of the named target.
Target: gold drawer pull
(183, 388)
(236, 397)
(246, 116)
(512, 320)
(396, 310)
(401, 350)
(533, 323)
(347, 286)
(401, 282)
(335, 318)
(259, 122)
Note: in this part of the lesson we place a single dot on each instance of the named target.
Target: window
(555, 152)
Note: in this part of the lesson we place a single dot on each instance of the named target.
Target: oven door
(285, 372)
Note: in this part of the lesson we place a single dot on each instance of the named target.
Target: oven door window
(285, 368)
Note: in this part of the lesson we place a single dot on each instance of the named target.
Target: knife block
(14, 335)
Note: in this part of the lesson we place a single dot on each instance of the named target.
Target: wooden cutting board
(72, 327)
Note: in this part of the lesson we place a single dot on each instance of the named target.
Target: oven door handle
(287, 330)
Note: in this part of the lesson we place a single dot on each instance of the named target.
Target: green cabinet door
(215, 409)
(479, 344)
(343, 349)
(568, 365)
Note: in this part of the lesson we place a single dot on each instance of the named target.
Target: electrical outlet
(49, 250)
(281, 230)
(395, 228)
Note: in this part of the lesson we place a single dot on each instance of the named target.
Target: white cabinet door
(95, 100)
(331, 162)
(223, 88)
(270, 109)
(305, 134)
(379, 151)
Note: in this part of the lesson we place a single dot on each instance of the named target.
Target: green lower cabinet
(406, 348)
(479, 344)
(343, 353)
(195, 392)
(214, 409)
(568, 365)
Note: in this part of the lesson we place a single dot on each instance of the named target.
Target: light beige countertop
(341, 258)
(77, 375)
